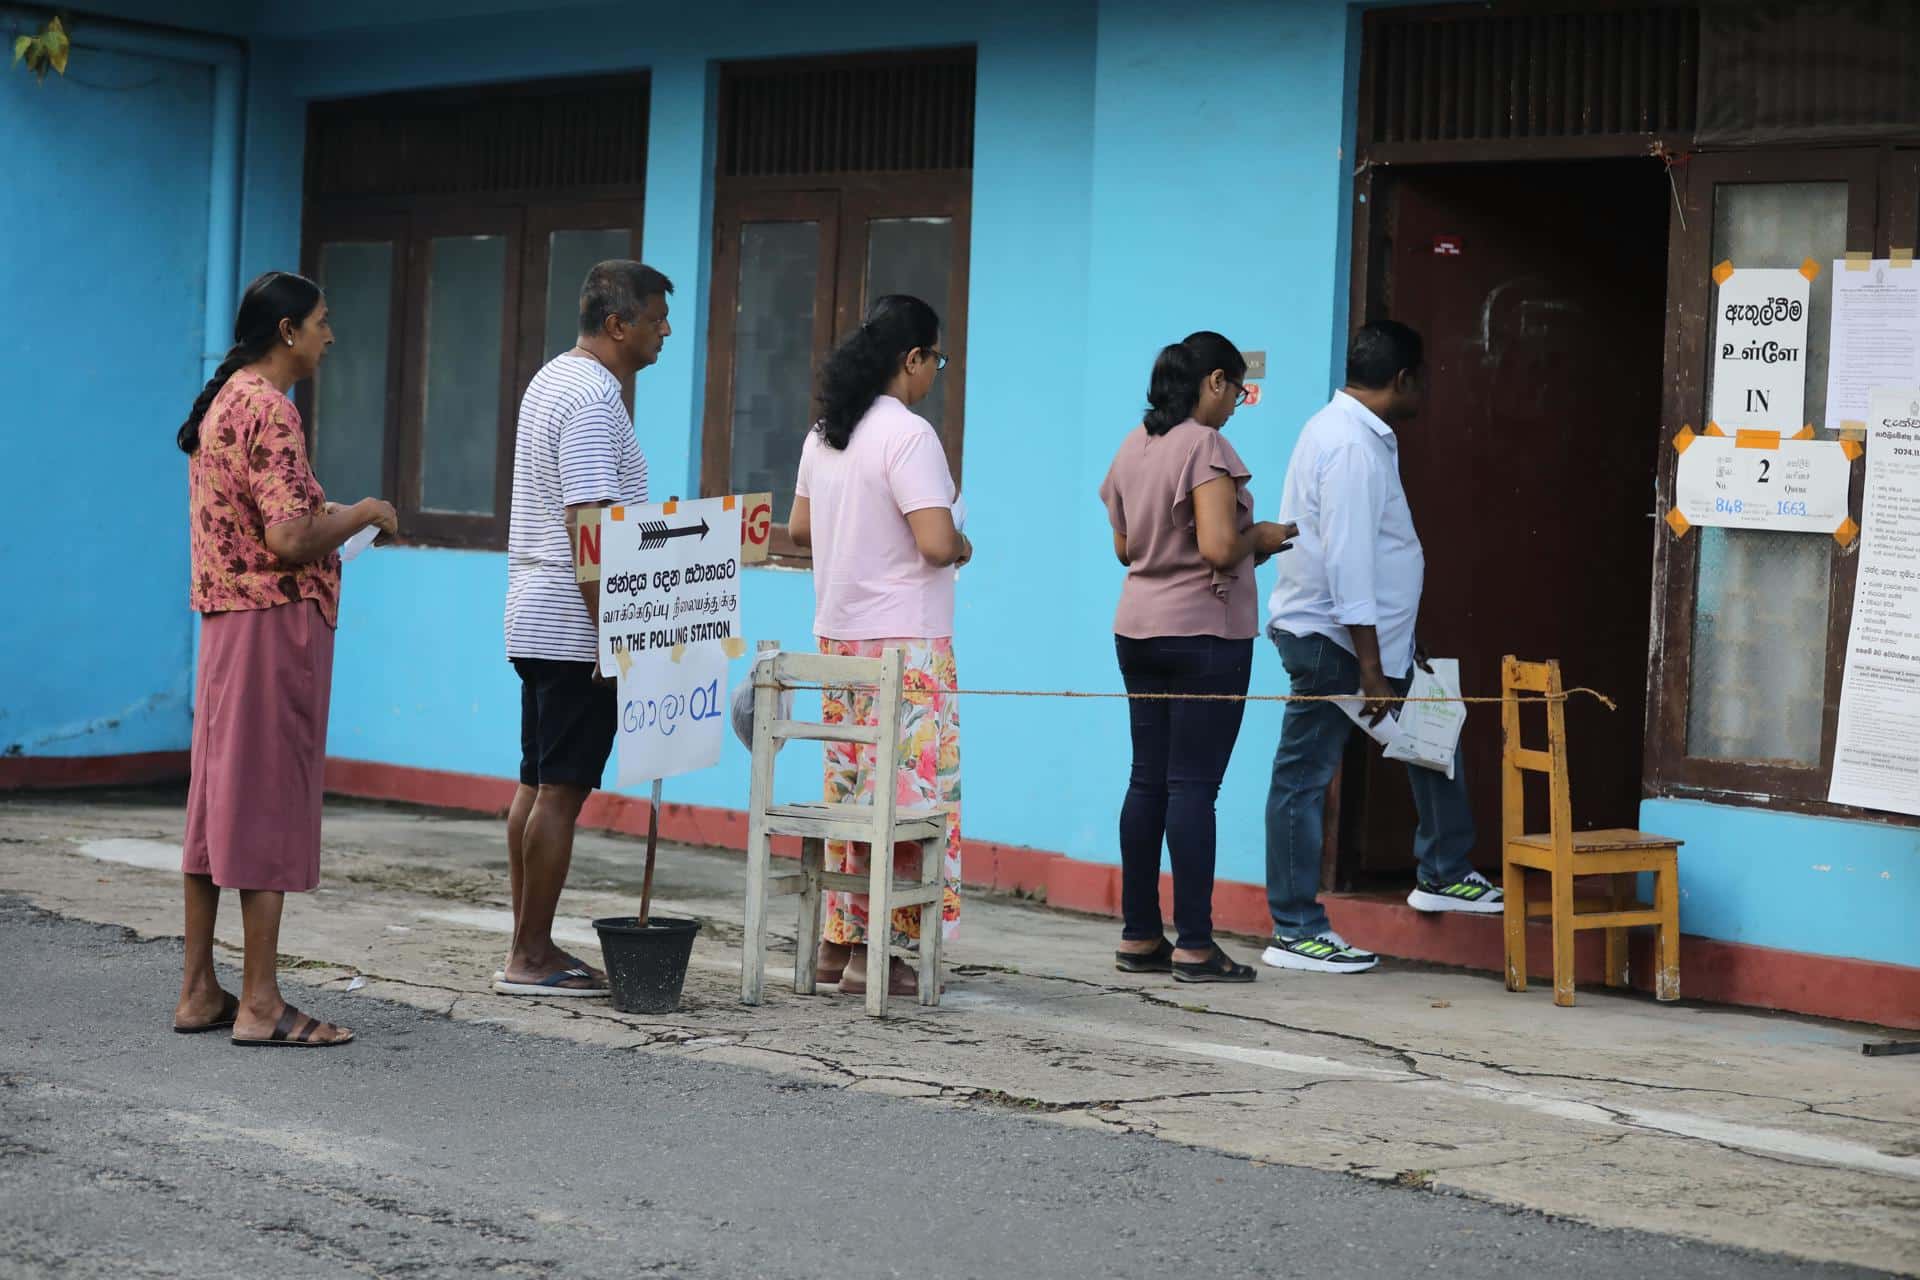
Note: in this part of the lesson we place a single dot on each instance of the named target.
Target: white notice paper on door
(1760, 350)
(1876, 337)
(1876, 753)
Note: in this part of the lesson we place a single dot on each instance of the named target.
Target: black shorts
(566, 723)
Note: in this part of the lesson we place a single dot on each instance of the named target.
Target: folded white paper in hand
(358, 542)
(1422, 733)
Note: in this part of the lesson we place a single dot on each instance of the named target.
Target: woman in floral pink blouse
(266, 578)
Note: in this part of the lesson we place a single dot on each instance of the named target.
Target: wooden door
(1540, 291)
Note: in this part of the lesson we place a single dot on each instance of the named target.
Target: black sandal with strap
(1158, 960)
(285, 1037)
(1218, 967)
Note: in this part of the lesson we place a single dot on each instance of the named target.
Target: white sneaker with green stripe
(1475, 894)
(1325, 952)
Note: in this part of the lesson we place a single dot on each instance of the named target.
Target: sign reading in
(1756, 480)
(1760, 347)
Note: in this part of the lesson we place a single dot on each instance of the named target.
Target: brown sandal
(284, 1036)
(229, 1010)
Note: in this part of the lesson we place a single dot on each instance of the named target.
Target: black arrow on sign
(654, 534)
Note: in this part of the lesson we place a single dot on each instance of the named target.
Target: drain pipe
(228, 61)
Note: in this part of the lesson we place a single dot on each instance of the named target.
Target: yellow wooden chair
(1564, 853)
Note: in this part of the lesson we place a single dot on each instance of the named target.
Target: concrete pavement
(1738, 1129)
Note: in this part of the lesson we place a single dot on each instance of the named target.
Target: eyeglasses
(1240, 392)
(939, 358)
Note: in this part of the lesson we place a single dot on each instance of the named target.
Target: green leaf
(57, 54)
(20, 46)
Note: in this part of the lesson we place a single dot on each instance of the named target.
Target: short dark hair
(1381, 350)
(618, 287)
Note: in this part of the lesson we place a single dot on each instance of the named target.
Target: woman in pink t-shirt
(874, 501)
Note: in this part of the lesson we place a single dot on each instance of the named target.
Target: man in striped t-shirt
(575, 449)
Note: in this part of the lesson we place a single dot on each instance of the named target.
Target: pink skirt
(260, 748)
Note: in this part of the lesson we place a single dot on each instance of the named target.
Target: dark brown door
(1540, 290)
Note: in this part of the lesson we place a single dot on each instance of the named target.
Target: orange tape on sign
(726, 503)
(1753, 439)
(1678, 523)
(616, 513)
(1900, 257)
(1723, 272)
(1852, 448)
(1847, 532)
(1804, 433)
(1859, 260)
(668, 508)
(1684, 441)
(1811, 270)
(1713, 429)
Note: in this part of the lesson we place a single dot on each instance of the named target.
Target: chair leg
(753, 946)
(1562, 938)
(1513, 888)
(879, 927)
(1619, 894)
(813, 856)
(932, 866)
(1666, 965)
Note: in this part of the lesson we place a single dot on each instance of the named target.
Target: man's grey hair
(618, 287)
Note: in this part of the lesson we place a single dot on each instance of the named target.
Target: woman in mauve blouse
(1176, 496)
(266, 582)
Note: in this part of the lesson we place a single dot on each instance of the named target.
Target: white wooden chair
(881, 825)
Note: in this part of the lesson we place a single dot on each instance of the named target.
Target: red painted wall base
(52, 773)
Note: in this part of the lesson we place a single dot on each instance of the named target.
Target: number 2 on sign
(665, 713)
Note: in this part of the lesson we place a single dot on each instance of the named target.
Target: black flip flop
(284, 1037)
(1159, 960)
(229, 1010)
(1218, 967)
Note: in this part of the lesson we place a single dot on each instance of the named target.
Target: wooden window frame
(410, 222)
(844, 202)
(1883, 196)
(843, 205)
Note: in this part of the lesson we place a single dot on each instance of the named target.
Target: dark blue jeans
(1180, 753)
(1312, 737)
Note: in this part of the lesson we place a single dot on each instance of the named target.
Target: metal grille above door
(1506, 73)
(889, 113)
(576, 138)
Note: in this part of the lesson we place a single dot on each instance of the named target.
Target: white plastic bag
(1422, 733)
(760, 671)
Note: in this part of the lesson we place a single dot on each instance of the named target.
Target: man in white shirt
(575, 448)
(1343, 616)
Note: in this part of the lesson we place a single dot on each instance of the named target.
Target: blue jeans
(1180, 751)
(1312, 737)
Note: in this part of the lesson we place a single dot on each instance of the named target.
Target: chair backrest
(837, 677)
(1519, 679)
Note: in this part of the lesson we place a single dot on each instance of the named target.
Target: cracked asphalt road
(437, 1147)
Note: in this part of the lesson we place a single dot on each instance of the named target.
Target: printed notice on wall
(1876, 757)
(1760, 348)
(1876, 337)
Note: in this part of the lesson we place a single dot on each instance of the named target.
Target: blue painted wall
(103, 209)
(1802, 884)
(1138, 174)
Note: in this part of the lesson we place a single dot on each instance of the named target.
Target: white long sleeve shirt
(1357, 561)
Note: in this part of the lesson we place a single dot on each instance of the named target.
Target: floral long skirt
(929, 774)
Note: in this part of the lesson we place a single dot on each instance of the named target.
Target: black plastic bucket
(646, 964)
